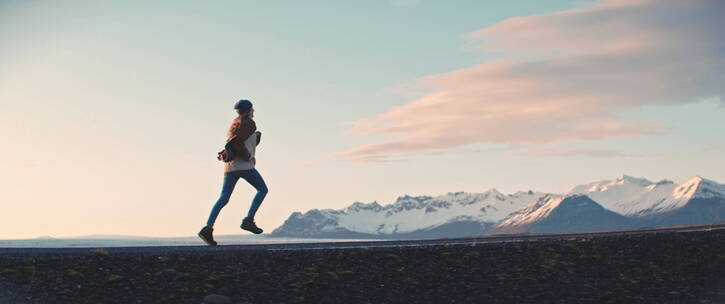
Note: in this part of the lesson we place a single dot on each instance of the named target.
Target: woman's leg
(253, 177)
(230, 180)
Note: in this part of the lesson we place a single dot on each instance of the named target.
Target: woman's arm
(245, 130)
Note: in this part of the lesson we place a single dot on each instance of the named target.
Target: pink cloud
(567, 78)
(576, 152)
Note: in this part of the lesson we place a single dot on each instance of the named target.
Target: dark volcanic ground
(686, 266)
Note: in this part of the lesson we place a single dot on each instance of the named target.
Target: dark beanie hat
(243, 105)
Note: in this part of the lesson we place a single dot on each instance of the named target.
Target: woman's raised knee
(263, 190)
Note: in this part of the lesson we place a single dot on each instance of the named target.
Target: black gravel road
(674, 265)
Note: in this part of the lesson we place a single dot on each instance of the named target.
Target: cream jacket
(240, 164)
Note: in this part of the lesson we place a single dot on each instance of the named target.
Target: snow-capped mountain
(705, 204)
(623, 203)
(639, 197)
(637, 202)
(411, 215)
(564, 214)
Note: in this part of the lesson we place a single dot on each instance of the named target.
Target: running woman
(242, 141)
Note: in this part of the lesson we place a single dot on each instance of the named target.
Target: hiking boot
(206, 235)
(249, 225)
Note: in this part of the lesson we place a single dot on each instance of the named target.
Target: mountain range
(623, 203)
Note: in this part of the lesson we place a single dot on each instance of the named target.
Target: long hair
(237, 123)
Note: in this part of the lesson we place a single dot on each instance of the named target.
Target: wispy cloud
(712, 148)
(576, 152)
(565, 78)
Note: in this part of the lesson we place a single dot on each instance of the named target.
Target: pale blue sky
(111, 113)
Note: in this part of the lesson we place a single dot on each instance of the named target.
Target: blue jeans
(253, 177)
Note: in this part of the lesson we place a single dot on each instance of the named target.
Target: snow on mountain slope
(623, 195)
(533, 212)
(564, 214)
(631, 196)
(626, 195)
(411, 213)
(701, 188)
